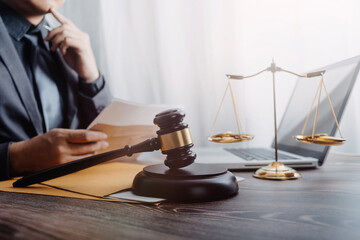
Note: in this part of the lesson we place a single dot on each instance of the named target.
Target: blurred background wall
(177, 52)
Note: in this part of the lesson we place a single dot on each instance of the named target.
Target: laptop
(339, 79)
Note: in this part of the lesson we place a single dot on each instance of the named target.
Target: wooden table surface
(324, 204)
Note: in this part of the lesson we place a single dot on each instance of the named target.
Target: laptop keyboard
(250, 154)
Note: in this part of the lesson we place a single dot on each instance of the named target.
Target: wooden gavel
(174, 139)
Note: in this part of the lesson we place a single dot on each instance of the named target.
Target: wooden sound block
(194, 183)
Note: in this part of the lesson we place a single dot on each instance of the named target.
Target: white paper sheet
(124, 113)
(129, 195)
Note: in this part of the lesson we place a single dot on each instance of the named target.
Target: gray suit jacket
(20, 117)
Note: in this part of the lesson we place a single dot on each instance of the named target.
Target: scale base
(277, 171)
(194, 183)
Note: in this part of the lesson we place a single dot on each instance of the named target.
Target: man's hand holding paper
(55, 147)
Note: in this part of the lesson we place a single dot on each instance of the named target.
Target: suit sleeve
(93, 98)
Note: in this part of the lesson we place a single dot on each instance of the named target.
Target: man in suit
(50, 87)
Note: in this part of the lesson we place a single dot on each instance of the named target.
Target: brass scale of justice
(277, 170)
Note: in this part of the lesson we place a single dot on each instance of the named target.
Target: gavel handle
(77, 165)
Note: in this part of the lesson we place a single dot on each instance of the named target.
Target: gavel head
(175, 138)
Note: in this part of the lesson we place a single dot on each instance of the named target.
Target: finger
(53, 33)
(59, 16)
(86, 148)
(63, 48)
(57, 41)
(60, 38)
(84, 136)
(62, 29)
(70, 43)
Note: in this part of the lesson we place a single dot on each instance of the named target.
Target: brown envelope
(92, 183)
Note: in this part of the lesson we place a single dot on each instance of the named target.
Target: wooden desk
(325, 204)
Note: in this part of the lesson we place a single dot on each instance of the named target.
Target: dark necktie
(48, 90)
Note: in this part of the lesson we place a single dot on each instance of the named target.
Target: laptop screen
(339, 79)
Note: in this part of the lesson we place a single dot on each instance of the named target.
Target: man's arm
(94, 94)
(59, 146)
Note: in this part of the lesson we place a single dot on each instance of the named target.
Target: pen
(48, 28)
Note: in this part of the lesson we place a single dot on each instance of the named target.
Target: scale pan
(230, 137)
(321, 139)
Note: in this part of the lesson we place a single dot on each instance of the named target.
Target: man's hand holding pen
(75, 47)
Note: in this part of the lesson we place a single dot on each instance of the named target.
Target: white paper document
(129, 195)
(124, 113)
(127, 123)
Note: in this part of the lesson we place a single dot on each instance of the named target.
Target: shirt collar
(39, 28)
(17, 25)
